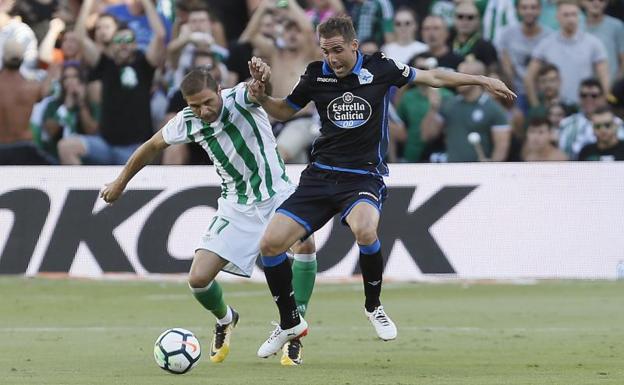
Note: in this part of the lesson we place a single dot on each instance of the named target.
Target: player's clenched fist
(111, 192)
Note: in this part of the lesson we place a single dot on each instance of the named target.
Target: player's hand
(259, 70)
(111, 191)
(257, 90)
(498, 89)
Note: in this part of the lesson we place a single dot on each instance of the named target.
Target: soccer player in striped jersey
(235, 132)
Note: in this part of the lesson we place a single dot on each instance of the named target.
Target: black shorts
(321, 194)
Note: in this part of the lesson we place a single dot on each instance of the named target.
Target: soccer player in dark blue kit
(351, 93)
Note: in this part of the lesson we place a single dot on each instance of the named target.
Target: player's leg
(363, 220)
(304, 274)
(304, 268)
(206, 265)
(281, 232)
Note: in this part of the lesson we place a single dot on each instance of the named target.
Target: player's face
(604, 127)
(339, 54)
(206, 104)
(529, 11)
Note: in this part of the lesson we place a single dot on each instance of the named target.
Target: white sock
(228, 317)
(305, 257)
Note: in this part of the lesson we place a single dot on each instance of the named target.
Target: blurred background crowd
(87, 81)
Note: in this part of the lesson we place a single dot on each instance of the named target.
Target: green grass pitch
(101, 332)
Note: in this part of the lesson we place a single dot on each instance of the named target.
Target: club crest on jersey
(348, 111)
(365, 77)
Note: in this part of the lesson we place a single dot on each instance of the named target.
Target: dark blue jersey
(353, 111)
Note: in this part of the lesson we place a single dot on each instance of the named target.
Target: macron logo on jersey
(327, 80)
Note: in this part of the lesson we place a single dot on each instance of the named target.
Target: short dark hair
(538, 121)
(591, 82)
(337, 26)
(603, 110)
(110, 15)
(539, 3)
(123, 26)
(409, 10)
(546, 68)
(195, 81)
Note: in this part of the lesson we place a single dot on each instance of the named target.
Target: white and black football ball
(177, 350)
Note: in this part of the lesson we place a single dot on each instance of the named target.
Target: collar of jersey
(356, 69)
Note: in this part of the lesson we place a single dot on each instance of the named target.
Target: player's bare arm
(141, 157)
(276, 107)
(443, 78)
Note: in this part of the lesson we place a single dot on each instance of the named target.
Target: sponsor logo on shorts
(368, 194)
(349, 111)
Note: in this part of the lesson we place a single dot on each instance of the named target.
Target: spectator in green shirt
(471, 111)
(412, 108)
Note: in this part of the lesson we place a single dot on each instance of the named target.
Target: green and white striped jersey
(240, 143)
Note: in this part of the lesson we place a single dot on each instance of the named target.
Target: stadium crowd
(86, 82)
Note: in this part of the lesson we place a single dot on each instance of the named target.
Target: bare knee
(204, 269)
(365, 231)
(198, 280)
(270, 244)
(305, 247)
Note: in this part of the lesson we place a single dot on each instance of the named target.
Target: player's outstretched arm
(445, 78)
(258, 90)
(141, 157)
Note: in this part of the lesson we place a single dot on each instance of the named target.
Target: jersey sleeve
(299, 97)
(175, 131)
(499, 118)
(397, 73)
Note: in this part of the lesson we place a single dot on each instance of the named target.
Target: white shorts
(235, 231)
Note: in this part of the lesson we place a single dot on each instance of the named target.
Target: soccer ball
(177, 350)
